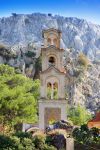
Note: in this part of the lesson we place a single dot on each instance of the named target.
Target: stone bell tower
(52, 103)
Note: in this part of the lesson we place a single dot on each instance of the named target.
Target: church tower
(52, 103)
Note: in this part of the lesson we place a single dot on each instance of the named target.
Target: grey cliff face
(23, 35)
(76, 33)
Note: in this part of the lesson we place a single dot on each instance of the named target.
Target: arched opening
(55, 87)
(52, 90)
(49, 88)
(51, 61)
(49, 41)
(55, 42)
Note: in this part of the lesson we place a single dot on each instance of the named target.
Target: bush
(16, 97)
(22, 135)
(89, 137)
(78, 115)
(24, 141)
(39, 142)
(30, 54)
(81, 146)
(83, 60)
(57, 138)
(47, 147)
(5, 142)
(38, 67)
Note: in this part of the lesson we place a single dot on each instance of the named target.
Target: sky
(85, 9)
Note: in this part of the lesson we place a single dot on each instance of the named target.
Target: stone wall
(54, 108)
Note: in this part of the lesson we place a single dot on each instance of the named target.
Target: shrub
(5, 142)
(87, 136)
(39, 139)
(83, 60)
(23, 135)
(38, 67)
(57, 138)
(28, 144)
(30, 54)
(24, 141)
(78, 115)
(48, 147)
(16, 143)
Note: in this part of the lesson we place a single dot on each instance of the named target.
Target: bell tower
(52, 103)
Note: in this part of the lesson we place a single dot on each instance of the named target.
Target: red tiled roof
(97, 118)
(63, 70)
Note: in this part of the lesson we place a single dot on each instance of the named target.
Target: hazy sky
(86, 9)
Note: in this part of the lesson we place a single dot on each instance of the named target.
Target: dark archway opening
(51, 61)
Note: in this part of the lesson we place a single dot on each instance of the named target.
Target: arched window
(49, 88)
(55, 42)
(55, 87)
(52, 90)
(49, 41)
(52, 61)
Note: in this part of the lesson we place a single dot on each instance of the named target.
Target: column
(52, 90)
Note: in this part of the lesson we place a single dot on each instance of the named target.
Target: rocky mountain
(23, 36)
(21, 29)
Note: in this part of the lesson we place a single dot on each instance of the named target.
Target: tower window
(52, 90)
(49, 41)
(51, 61)
(55, 42)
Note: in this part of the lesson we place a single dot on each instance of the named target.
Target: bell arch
(52, 87)
(52, 60)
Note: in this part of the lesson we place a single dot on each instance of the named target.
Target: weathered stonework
(69, 144)
(51, 110)
(52, 106)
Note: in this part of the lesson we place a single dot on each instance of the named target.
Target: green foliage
(49, 147)
(36, 89)
(22, 135)
(39, 142)
(78, 115)
(38, 67)
(5, 142)
(95, 132)
(81, 146)
(15, 143)
(5, 70)
(18, 97)
(86, 136)
(6, 52)
(83, 60)
(30, 54)
(23, 141)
